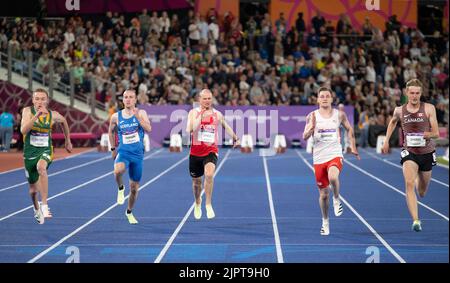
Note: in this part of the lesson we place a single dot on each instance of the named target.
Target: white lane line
(272, 213)
(43, 253)
(248, 218)
(58, 172)
(185, 218)
(71, 189)
(398, 166)
(222, 244)
(394, 188)
(59, 159)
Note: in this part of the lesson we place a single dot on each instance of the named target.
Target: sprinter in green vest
(37, 122)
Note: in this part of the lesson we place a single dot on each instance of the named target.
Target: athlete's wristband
(113, 148)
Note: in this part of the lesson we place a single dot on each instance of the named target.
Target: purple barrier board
(261, 122)
(64, 7)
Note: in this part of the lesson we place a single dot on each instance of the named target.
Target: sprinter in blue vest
(130, 124)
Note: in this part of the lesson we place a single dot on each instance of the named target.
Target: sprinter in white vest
(323, 125)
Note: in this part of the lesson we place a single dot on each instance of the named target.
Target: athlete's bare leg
(424, 178)
(34, 195)
(134, 188)
(197, 189)
(42, 183)
(324, 202)
(209, 181)
(410, 172)
(119, 169)
(333, 177)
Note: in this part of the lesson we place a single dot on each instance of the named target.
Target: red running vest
(204, 139)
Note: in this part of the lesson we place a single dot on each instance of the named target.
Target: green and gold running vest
(38, 140)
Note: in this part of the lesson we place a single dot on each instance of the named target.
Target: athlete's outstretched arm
(112, 126)
(228, 129)
(310, 125)
(390, 129)
(66, 130)
(143, 120)
(433, 121)
(350, 134)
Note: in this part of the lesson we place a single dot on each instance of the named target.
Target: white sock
(325, 221)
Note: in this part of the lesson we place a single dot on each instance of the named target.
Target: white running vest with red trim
(204, 139)
(327, 138)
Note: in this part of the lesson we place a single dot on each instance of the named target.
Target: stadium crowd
(168, 59)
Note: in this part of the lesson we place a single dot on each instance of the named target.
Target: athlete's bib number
(328, 135)
(131, 138)
(39, 140)
(415, 140)
(205, 136)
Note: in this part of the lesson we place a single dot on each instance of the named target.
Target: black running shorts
(425, 161)
(197, 164)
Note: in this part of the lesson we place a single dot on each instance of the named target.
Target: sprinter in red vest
(203, 124)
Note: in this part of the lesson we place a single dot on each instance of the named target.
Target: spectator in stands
(204, 30)
(6, 130)
(409, 73)
(154, 23)
(363, 125)
(78, 72)
(144, 20)
(194, 33)
(318, 21)
(251, 27)
(370, 73)
(256, 92)
(280, 25)
(143, 99)
(367, 27)
(243, 99)
(300, 23)
(3, 40)
(18, 119)
(341, 27)
(42, 63)
(164, 22)
(278, 51)
(393, 24)
(213, 28)
(266, 25)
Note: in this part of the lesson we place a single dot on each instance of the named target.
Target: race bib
(206, 136)
(415, 140)
(328, 135)
(131, 138)
(39, 139)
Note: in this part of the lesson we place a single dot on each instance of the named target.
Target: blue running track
(266, 211)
